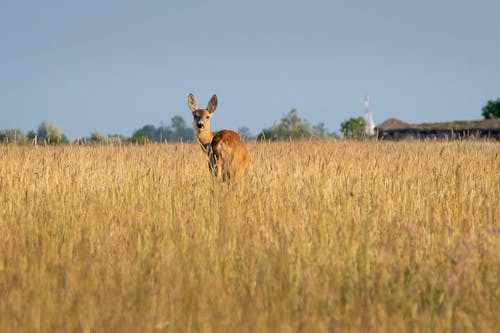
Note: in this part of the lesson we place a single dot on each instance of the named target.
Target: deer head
(201, 117)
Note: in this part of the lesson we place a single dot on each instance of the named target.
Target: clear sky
(114, 66)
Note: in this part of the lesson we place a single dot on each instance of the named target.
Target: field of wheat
(320, 237)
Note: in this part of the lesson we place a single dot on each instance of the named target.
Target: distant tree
(31, 136)
(178, 124)
(180, 130)
(491, 109)
(293, 126)
(139, 137)
(49, 133)
(244, 133)
(13, 136)
(267, 134)
(353, 128)
(290, 127)
(97, 137)
(166, 134)
(148, 131)
(319, 131)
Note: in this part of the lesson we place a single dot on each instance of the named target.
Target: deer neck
(205, 138)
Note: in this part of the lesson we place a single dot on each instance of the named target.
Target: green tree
(13, 136)
(290, 127)
(139, 137)
(32, 136)
(97, 137)
(49, 133)
(491, 109)
(180, 130)
(267, 134)
(148, 131)
(353, 128)
(178, 124)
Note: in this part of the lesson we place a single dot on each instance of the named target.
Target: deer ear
(212, 104)
(192, 103)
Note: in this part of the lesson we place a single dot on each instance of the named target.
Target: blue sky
(114, 66)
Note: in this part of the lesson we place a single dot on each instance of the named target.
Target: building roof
(393, 124)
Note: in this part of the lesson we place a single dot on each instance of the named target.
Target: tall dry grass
(323, 236)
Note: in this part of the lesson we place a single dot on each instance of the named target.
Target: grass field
(321, 237)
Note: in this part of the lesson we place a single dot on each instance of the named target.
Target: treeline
(290, 127)
(48, 133)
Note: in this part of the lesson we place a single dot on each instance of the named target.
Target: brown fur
(228, 157)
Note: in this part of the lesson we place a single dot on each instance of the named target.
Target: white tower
(369, 126)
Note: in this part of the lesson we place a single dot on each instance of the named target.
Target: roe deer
(227, 156)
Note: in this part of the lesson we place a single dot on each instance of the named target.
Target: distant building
(395, 129)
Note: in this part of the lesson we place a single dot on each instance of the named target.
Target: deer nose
(200, 125)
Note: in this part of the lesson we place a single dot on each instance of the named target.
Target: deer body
(227, 156)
